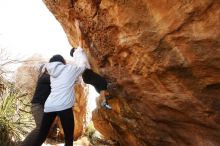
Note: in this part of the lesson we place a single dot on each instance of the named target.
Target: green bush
(15, 121)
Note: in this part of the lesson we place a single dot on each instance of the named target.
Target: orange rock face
(80, 110)
(162, 60)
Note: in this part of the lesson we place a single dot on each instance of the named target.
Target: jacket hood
(55, 68)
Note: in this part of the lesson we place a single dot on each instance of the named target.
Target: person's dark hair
(72, 51)
(57, 58)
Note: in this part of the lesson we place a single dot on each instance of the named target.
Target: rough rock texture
(80, 110)
(162, 60)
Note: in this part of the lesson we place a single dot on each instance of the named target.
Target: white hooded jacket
(62, 79)
(80, 58)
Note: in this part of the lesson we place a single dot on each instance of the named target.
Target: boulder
(162, 62)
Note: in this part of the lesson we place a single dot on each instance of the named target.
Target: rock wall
(162, 61)
(80, 110)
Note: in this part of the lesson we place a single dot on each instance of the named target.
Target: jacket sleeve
(79, 71)
(94, 79)
(80, 58)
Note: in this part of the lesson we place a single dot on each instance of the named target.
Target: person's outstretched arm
(78, 54)
(100, 85)
(94, 79)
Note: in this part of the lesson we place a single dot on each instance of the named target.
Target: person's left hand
(104, 93)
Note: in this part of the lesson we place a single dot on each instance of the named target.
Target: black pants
(67, 121)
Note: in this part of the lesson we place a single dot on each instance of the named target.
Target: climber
(41, 93)
(61, 99)
(89, 77)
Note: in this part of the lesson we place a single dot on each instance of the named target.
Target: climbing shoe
(105, 105)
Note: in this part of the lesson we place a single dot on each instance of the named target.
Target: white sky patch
(28, 27)
(92, 98)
